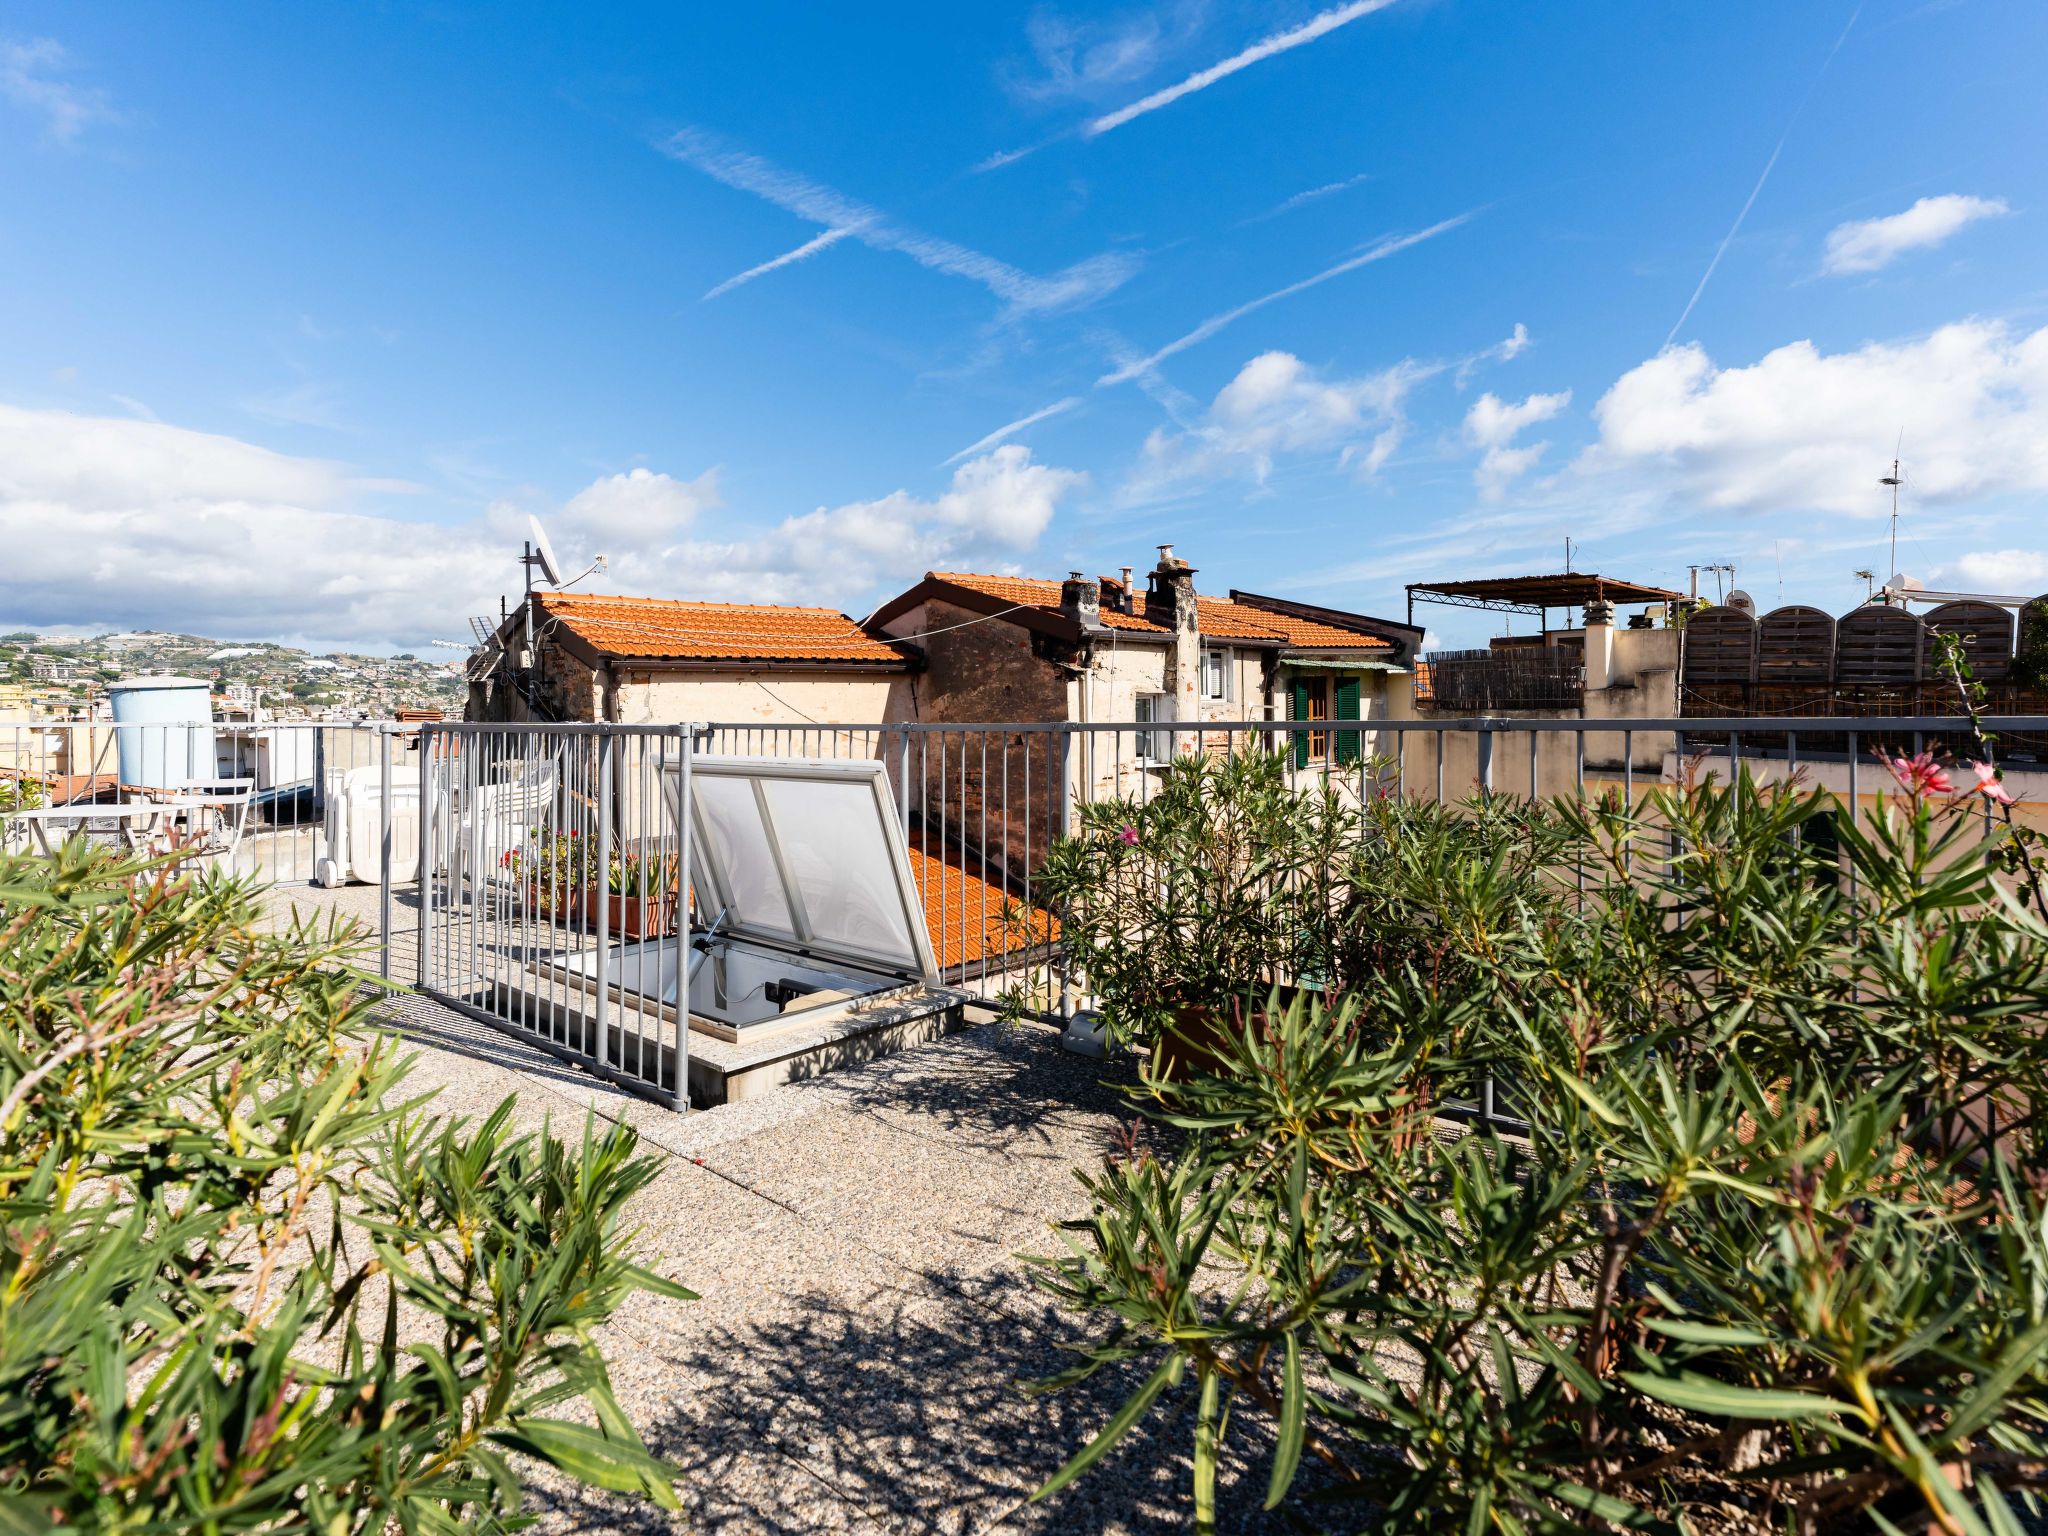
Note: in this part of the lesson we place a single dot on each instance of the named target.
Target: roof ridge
(691, 602)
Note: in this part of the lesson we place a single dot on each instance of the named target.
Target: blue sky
(304, 309)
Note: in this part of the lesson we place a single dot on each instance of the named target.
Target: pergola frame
(1534, 595)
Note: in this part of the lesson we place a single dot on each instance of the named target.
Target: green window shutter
(1347, 709)
(1298, 710)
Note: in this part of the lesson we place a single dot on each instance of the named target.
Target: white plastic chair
(494, 820)
(215, 813)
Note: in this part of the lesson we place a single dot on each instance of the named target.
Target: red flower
(1919, 775)
(1988, 785)
(1128, 837)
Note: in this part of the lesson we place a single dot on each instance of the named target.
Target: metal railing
(292, 803)
(553, 894)
(556, 894)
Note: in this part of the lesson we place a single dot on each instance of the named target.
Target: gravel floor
(854, 1362)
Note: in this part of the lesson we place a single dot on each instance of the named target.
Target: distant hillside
(62, 671)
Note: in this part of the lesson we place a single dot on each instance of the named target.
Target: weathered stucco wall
(766, 697)
(960, 782)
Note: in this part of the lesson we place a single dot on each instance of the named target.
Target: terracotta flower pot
(633, 916)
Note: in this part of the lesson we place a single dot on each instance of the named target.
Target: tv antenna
(1867, 577)
(1895, 479)
(1716, 571)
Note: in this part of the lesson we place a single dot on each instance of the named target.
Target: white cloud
(1804, 429)
(1277, 406)
(1493, 424)
(28, 80)
(1379, 250)
(996, 505)
(1867, 245)
(122, 524)
(1265, 48)
(639, 507)
(1080, 284)
(2010, 572)
(804, 252)
(1080, 60)
(1011, 429)
(1506, 350)
(1312, 195)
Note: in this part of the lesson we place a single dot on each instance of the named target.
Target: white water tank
(164, 730)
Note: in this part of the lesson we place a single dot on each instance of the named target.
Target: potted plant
(1187, 910)
(552, 871)
(640, 895)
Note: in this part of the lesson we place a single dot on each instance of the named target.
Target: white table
(137, 821)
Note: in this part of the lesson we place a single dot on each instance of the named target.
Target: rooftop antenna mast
(1895, 479)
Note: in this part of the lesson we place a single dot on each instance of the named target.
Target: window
(1318, 696)
(1312, 700)
(1155, 746)
(1216, 674)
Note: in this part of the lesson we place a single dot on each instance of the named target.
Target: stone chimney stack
(1170, 603)
(1081, 600)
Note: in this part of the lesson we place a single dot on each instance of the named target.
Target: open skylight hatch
(805, 912)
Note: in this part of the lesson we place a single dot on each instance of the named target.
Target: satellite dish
(1742, 602)
(544, 553)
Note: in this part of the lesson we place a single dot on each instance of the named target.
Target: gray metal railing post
(903, 781)
(1485, 752)
(601, 890)
(427, 810)
(679, 1092)
(384, 851)
(1066, 830)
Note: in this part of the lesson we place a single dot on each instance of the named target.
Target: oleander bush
(1767, 1253)
(246, 1282)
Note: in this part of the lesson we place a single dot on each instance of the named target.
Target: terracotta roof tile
(1030, 592)
(1313, 634)
(661, 628)
(973, 911)
(1220, 619)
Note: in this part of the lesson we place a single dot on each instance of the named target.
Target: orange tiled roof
(1219, 618)
(1313, 634)
(1031, 592)
(972, 910)
(661, 628)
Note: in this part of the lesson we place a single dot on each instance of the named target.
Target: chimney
(1170, 603)
(1599, 644)
(1081, 600)
(1125, 599)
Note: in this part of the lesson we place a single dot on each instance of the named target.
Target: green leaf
(1702, 1394)
(1293, 1424)
(585, 1453)
(1113, 1431)
(1706, 1333)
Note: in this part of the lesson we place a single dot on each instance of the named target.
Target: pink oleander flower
(1128, 837)
(1988, 785)
(1919, 775)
